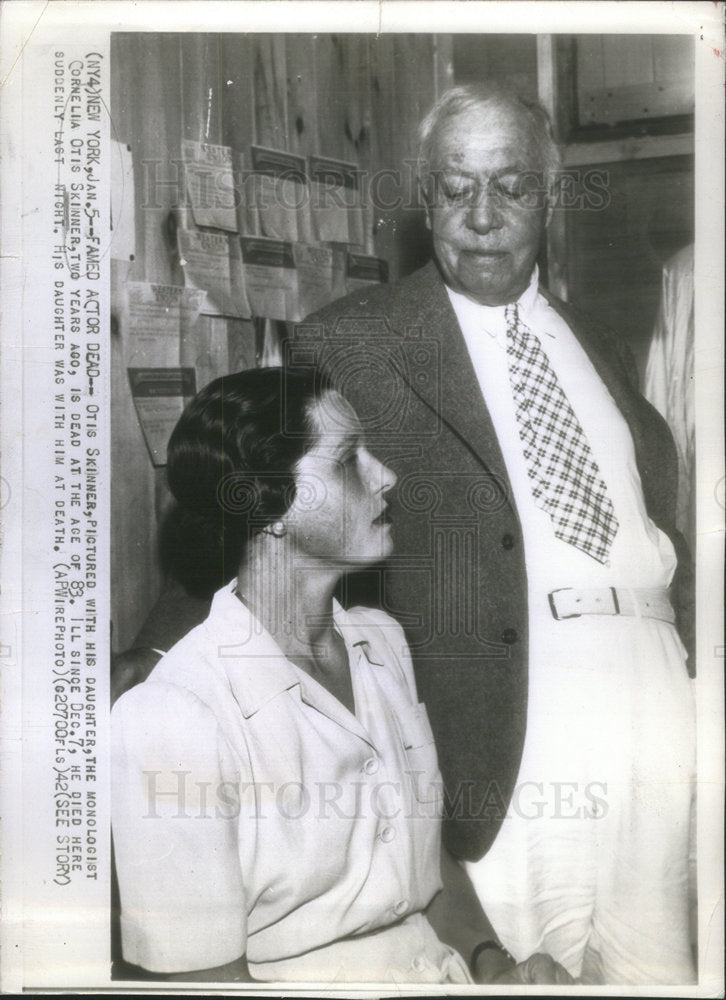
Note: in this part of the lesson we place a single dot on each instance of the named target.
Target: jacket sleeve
(683, 595)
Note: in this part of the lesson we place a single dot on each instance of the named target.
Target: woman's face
(338, 515)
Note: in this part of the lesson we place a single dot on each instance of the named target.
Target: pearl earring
(277, 529)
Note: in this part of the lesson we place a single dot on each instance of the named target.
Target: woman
(276, 791)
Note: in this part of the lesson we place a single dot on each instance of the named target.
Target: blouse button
(371, 765)
(400, 908)
(510, 636)
(387, 834)
(507, 541)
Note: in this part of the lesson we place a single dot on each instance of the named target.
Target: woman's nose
(382, 478)
(389, 478)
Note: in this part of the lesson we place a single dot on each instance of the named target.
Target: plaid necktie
(565, 479)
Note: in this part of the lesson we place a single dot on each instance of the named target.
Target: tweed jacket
(457, 579)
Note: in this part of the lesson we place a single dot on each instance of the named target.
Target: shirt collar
(256, 667)
(353, 633)
(492, 318)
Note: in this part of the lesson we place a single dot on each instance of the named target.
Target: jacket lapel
(423, 312)
(607, 363)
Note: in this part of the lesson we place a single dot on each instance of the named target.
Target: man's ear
(551, 198)
(424, 195)
(549, 210)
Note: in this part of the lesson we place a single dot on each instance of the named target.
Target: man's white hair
(490, 96)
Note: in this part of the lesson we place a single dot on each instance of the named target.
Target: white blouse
(254, 814)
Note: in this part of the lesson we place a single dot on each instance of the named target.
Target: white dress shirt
(641, 555)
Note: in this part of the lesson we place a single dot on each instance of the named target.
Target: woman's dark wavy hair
(230, 467)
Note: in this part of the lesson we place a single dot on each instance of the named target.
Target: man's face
(489, 210)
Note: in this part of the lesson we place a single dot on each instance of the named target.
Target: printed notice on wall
(154, 318)
(280, 196)
(335, 200)
(314, 267)
(159, 395)
(362, 269)
(205, 258)
(210, 184)
(270, 277)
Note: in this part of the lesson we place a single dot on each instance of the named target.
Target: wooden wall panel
(359, 124)
(355, 90)
(239, 129)
(509, 59)
(270, 84)
(156, 144)
(590, 62)
(615, 255)
(237, 86)
(414, 89)
(202, 95)
(381, 187)
(627, 60)
(443, 49)
(329, 78)
(672, 58)
(302, 96)
(624, 78)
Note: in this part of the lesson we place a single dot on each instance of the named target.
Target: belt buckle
(553, 607)
(576, 614)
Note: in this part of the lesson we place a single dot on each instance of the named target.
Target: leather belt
(641, 602)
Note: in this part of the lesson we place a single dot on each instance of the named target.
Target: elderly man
(535, 560)
(535, 568)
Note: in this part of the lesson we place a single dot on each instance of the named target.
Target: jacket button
(371, 765)
(510, 636)
(507, 541)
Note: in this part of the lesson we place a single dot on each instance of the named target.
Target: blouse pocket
(421, 760)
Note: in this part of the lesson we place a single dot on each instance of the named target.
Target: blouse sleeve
(175, 830)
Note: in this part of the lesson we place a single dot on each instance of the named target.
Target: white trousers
(592, 861)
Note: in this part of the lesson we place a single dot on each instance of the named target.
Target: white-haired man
(535, 561)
